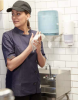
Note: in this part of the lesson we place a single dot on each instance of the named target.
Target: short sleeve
(42, 50)
(7, 47)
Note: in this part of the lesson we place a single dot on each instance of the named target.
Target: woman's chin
(16, 25)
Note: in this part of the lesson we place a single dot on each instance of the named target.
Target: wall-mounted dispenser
(50, 24)
(1, 5)
(69, 32)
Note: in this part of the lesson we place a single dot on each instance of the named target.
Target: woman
(22, 73)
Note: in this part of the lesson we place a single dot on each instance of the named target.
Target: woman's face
(19, 18)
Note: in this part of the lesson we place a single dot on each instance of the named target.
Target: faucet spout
(50, 74)
(50, 71)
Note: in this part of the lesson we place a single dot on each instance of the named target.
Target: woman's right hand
(30, 45)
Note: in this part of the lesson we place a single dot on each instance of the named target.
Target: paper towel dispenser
(49, 22)
(1, 5)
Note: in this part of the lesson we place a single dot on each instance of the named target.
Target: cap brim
(15, 8)
(9, 9)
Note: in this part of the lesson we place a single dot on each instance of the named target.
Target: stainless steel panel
(57, 86)
(63, 83)
(48, 89)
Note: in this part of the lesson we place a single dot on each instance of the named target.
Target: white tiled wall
(60, 55)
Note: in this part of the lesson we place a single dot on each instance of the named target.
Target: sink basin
(56, 86)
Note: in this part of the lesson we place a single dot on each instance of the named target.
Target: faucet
(50, 74)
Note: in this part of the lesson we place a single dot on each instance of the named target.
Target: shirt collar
(20, 31)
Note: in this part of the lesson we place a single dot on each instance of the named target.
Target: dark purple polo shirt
(25, 79)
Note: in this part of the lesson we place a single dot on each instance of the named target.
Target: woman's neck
(25, 29)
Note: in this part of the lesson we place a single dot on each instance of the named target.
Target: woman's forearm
(41, 59)
(17, 61)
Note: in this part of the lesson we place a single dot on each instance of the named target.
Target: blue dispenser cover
(48, 22)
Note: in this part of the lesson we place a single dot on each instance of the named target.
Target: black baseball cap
(20, 6)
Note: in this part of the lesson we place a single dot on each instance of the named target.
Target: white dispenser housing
(69, 32)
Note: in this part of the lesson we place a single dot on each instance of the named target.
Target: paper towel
(36, 38)
(50, 39)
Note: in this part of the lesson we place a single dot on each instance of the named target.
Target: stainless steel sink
(58, 85)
